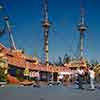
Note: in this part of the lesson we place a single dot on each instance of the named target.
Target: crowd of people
(87, 76)
(81, 76)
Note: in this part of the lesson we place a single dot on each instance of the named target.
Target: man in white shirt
(92, 77)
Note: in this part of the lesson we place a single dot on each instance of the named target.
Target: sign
(26, 72)
(34, 74)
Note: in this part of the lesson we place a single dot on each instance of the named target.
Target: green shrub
(3, 76)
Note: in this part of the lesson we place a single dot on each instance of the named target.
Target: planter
(26, 83)
(2, 84)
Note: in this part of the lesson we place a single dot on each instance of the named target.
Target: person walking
(92, 78)
(80, 73)
(36, 79)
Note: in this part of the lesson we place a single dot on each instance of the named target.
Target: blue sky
(26, 16)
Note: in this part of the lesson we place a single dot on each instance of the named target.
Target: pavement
(15, 92)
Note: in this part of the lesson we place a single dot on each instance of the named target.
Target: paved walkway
(47, 93)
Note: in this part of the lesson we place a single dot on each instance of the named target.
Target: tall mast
(11, 40)
(6, 19)
(46, 24)
(82, 28)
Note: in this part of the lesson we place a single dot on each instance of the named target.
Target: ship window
(31, 61)
(11, 55)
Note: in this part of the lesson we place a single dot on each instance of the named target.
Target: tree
(66, 58)
(2, 75)
(19, 74)
(3, 67)
(60, 63)
(50, 63)
(94, 63)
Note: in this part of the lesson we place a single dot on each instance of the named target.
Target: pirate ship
(17, 59)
